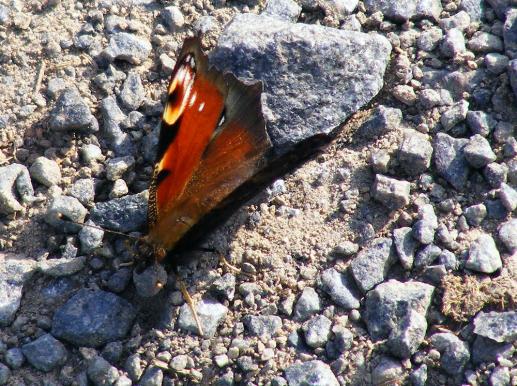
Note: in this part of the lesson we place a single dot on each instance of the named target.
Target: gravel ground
(390, 258)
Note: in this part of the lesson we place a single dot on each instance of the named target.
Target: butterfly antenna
(61, 217)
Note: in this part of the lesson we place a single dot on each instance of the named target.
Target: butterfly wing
(212, 140)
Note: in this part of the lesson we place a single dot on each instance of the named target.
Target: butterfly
(212, 141)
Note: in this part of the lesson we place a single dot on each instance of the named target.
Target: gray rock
(118, 189)
(127, 47)
(109, 79)
(90, 238)
(340, 288)
(93, 318)
(84, 190)
(210, 312)
(125, 214)
(496, 63)
(425, 227)
(133, 367)
(415, 152)
(498, 326)
(448, 260)
(496, 209)
(508, 197)
(55, 87)
(503, 132)
(387, 372)
(478, 151)
(150, 281)
(381, 121)
(393, 193)
(401, 11)
(350, 23)
(5, 19)
(263, 325)
(453, 43)
(15, 182)
(495, 174)
(317, 331)
(119, 280)
(173, 18)
(206, 24)
(307, 305)
(45, 171)
(153, 376)
(418, 377)
(224, 287)
(483, 255)
(486, 350)
(372, 263)
(510, 32)
(500, 376)
(427, 256)
(62, 267)
(123, 381)
(298, 104)
(315, 373)
(116, 167)
(132, 94)
(480, 122)
(450, 161)
(508, 234)
(429, 39)
(475, 214)
(512, 74)
(15, 270)
(396, 311)
(512, 171)
(286, 10)
(101, 373)
(405, 246)
(483, 42)
(64, 208)
(346, 248)
(5, 373)
(112, 119)
(454, 352)
(460, 20)
(14, 358)
(91, 153)
(71, 113)
(45, 353)
(454, 115)
(404, 93)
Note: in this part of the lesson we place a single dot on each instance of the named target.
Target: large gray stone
(450, 161)
(402, 10)
(314, 77)
(498, 326)
(315, 373)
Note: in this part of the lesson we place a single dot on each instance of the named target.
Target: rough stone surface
(415, 152)
(405, 245)
(127, 47)
(71, 113)
(382, 120)
(297, 106)
(401, 11)
(393, 193)
(508, 234)
(210, 312)
(396, 311)
(478, 151)
(340, 288)
(450, 161)
(317, 331)
(287, 10)
(125, 214)
(498, 326)
(14, 180)
(62, 208)
(308, 304)
(93, 318)
(45, 353)
(455, 352)
(372, 263)
(263, 325)
(483, 255)
(45, 171)
(316, 373)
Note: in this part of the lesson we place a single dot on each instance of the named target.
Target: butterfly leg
(191, 303)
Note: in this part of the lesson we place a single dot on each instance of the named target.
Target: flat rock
(125, 214)
(396, 311)
(93, 318)
(415, 152)
(127, 47)
(45, 353)
(314, 373)
(455, 352)
(210, 312)
(393, 193)
(401, 10)
(71, 113)
(45, 171)
(498, 326)
(311, 95)
(62, 267)
(372, 263)
(340, 288)
(263, 325)
(450, 161)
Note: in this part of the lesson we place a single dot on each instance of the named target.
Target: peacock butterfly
(212, 140)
